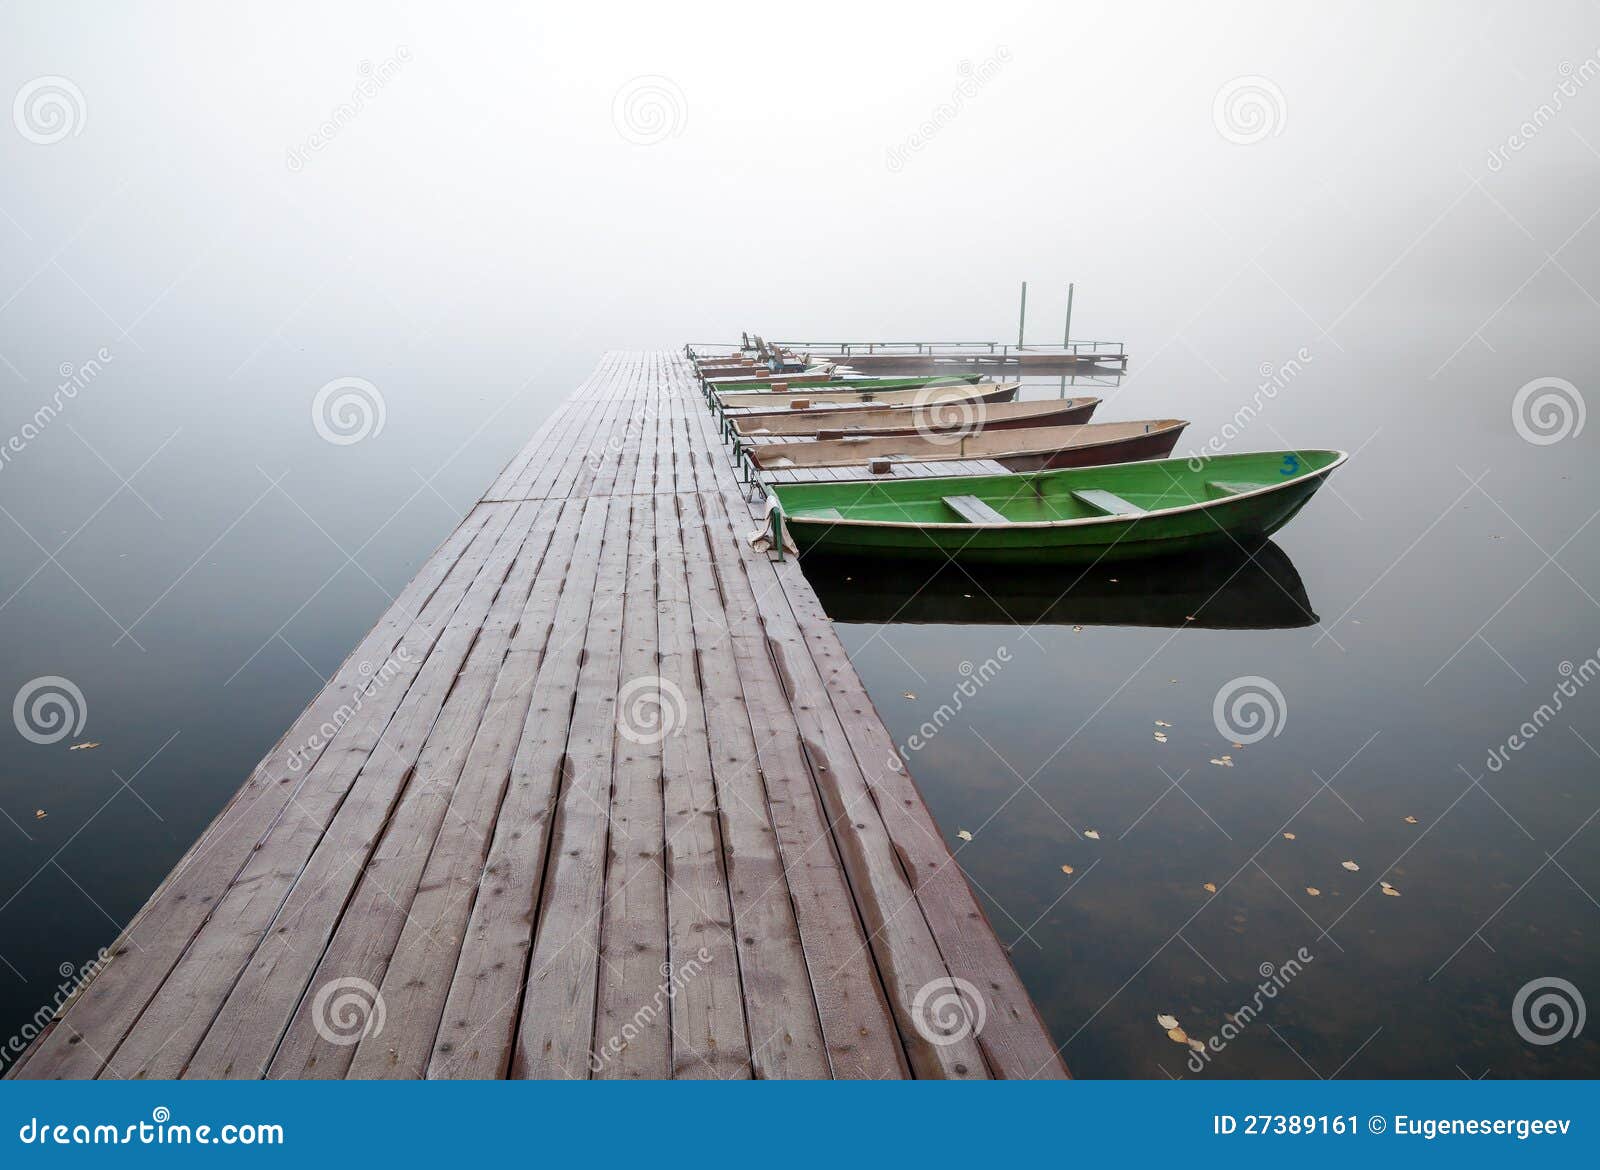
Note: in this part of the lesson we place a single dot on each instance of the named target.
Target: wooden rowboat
(910, 420)
(1016, 449)
(767, 402)
(1120, 512)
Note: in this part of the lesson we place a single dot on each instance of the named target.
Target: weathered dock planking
(606, 798)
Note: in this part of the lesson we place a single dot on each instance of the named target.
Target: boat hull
(1195, 526)
(907, 420)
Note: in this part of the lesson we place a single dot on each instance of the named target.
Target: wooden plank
(479, 1018)
(633, 1027)
(785, 1032)
(418, 976)
(558, 1005)
(708, 1027)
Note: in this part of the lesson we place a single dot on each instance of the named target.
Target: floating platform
(599, 796)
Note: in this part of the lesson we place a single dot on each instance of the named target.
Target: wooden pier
(600, 795)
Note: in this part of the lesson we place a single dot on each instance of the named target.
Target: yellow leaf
(1411, 820)
(1390, 891)
(1066, 869)
(83, 747)
(964, 835)
(1209, 888)
(1288, 836)
(1313, 891)
(1351, 866)
(1177, 1035)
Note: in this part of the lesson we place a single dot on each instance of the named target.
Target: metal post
(1022, 314)
(1066, 334)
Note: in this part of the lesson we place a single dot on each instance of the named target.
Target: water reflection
(1254, 589)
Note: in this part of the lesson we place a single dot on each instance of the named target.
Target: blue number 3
(1291, 465)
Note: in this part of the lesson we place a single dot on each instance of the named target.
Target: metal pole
(1066, 334)
(1022, 315)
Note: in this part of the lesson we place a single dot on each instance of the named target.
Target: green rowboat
(1118, 512)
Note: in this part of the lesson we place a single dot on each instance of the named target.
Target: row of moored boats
(855, 464)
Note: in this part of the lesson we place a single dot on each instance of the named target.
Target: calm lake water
(182, 546)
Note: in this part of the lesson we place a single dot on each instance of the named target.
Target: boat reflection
(1258, 589)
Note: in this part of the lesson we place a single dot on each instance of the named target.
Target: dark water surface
(1412, 617)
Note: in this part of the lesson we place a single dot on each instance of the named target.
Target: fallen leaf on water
(1222, 762)
(1092, 834)
(963, 834)
(1389, 890)
(1197, 1045)
(1167, 1022)
(1177, 1035)
(1066, 869)
(1160, 738)
(1411, 820)
(1162, 723)
(908, 695)
(1238, 745)
(1077, 629)
(83, 747)
(1209, 888)
(1313, 891)
(1351, 866)
(1288, 836)
(39, 814)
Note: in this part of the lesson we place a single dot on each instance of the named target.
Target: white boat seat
(824, 514)
(973, 510)
(1233, 487)
(1108, 502)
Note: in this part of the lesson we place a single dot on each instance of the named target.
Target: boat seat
(1233, 487)
(1108, 502)
(824, 514)
(973, 510)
